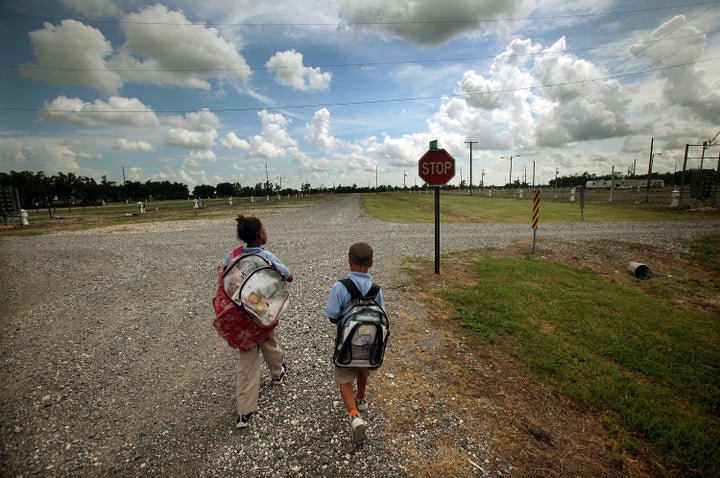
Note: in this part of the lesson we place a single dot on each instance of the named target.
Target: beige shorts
(347, 375)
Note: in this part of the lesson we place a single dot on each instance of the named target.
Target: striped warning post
(536, 209)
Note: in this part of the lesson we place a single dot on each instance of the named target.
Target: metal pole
(470, 143)
(682, 177)
(716, 183)
(437, 229)
(510, 177)
(647, 197)
(533, 178)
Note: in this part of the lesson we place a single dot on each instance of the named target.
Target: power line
(652, 43)
(370, 102)
(349, 65)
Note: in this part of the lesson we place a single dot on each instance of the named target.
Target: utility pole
(510, 177)
(267, 180)
(471, 143)
(650, 165)
(533, 175)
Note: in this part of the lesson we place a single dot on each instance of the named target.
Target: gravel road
(110, 364)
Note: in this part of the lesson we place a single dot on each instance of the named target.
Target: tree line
(36, 189)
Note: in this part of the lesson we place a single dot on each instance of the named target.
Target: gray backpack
(363, 330)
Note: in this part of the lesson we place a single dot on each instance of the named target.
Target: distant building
(624, 184)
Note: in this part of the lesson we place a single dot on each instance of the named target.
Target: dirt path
(110, 366)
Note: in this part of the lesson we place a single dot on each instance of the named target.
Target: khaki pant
(248, 372)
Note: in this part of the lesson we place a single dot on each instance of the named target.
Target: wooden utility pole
(471, 143)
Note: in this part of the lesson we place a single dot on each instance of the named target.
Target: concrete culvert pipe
(639, 270)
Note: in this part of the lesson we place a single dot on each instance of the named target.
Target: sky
(343, 92)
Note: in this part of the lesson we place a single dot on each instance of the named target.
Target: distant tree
(204, 191)
(225, 190)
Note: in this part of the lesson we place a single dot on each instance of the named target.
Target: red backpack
(250, 297)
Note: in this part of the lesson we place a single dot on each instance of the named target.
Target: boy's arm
(333, 309)
(380, 299)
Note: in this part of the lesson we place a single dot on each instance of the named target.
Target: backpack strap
(355, 292)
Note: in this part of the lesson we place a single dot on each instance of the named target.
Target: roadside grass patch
(72, 218)
(646, 365)
(707, 251)
(420, 208)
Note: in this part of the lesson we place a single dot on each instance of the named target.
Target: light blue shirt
(339, 295)
(282, 268)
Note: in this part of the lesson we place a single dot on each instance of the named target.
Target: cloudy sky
(336, 92)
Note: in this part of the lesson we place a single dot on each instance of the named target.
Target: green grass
(420, 208)
(707, 251)
(648, 366)
(72, 218)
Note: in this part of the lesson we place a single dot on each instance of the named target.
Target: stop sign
(436, 167)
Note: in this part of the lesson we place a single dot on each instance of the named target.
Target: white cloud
(196, 130)
(71, 53)
(196, 158)
(126, 145)
(38, 154)
(289, 70)
(203, 120)
(274, 141)
(116, 111)
(231, 141)
(184, 138)
(162, 47)
(187, 53)
(685, 85)
(580, 105)
(94, 8)
(429, 22)
(319, 130)
(457, 116)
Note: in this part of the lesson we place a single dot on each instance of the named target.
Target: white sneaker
(243, 421)
(361, 404)
(357, 429)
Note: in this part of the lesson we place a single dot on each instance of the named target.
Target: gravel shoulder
(110, 364)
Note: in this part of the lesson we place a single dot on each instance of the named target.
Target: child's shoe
(243, 421)
(357, 429)
(361, 404)
(279, 380)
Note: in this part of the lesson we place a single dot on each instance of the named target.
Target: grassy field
(420, 208)
(648, 366)
(78, 217)
(644, 364)
(393, 207)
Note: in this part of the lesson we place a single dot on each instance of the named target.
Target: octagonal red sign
(436, 167)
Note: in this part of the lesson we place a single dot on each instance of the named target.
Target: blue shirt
(282, 268)
(339, 295)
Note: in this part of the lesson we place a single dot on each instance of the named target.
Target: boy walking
(360, 259)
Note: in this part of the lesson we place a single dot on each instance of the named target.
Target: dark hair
(248, 228)
(361, 254)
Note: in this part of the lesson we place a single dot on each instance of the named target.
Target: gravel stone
(111, 367)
